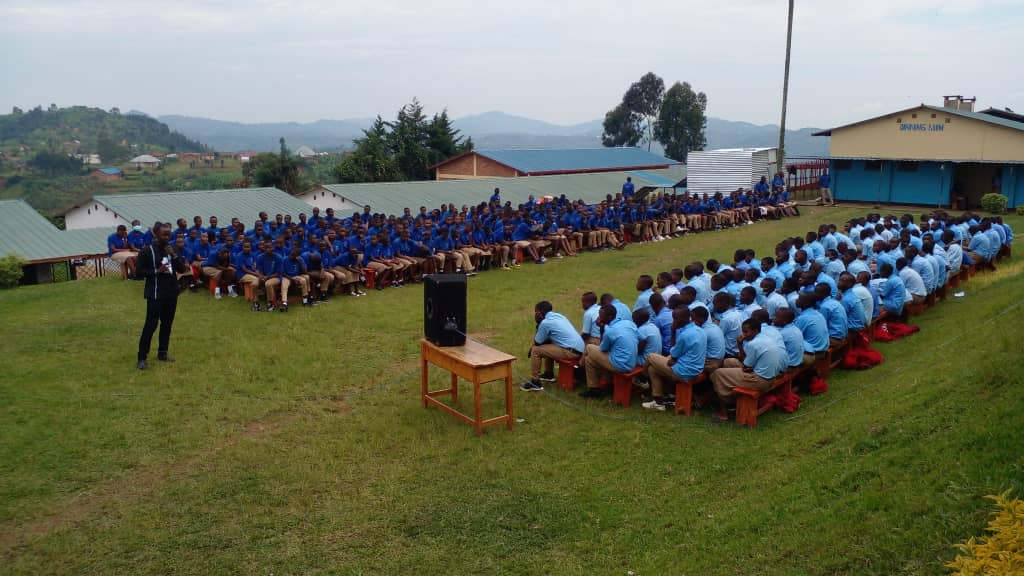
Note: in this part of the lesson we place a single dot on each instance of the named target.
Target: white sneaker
(216, 294)
(231, 292)
(653, 405)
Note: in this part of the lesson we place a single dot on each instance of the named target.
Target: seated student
(556, 339)
(729, 320)
(716, 339)
(685, 360)
(748, 302)
(893, 292)
(320, 276)
(812, 326)
(650, 336)
(347, 272)
(524, 236)
(775, 335)
(269, 267)
(915, 287)
(591, 331)
(835, 315)
(663, 320)
(220, 269)
(376, 257)
(855, 317)
(293, 271)
(119, 250)
(185, 279)
(954, 252)
(622, 311)
(792, 337)
(645, 286)
(868, 297)
(616, 353)
(773, 301)
(924, 269)
(666, 287)
(245, 266)
(759, 363)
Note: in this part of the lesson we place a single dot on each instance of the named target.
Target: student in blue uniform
(120, 251)
(616, 353)
(761, 361)
(812, 326)
(684, 362)
(556, 339)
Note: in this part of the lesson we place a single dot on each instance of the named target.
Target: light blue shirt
(814, 329)
(854, 310)
(716, 340)
(622, 312)
(690, 351)
(620, 341)
(643, 301)
(776, 337)
(794, 341)
(857, 266)
(590, 327)
(835, 317)
(773, 302)
(893, 294)
(702, 284)
(663, 320)
(731, 323)
(926, 271)
(559, 331)
(764, 356)
(650, 335)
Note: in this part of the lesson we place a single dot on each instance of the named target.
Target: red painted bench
(566, 374)
(747, 408)
(622, 386)
(684, 393)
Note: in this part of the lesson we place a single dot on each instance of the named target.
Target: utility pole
(785, 89)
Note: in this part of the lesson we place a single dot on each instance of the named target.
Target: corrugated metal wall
(727, 169)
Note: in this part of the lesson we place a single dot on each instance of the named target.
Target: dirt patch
(337, 405)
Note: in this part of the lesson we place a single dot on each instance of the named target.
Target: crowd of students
(745, 323)
(323, 254)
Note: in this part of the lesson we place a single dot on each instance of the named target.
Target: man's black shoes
(592, 393)
(165, 358)
(142, 365)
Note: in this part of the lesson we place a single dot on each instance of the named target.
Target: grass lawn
(297, 444)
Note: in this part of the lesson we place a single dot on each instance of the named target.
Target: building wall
(1013, 184)
(324, 199)
(92, 215)
(473, 166)
(943, 137)
(886, 181)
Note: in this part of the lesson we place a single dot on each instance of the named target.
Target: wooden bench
(371, 275)
(914, 309)
(684, 393)
(747, 409)
(566, 374)
(622, 386)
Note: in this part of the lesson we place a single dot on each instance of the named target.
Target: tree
(443, 140)
(371, 161)
(52, 162)
(279, 170)
(644, 98)
(16, 111)
(621, 127)
(681, 122)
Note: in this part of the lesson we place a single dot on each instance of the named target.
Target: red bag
(788, 403)
(902, 330)
(818, 386)
(862, 359)
(882, 333)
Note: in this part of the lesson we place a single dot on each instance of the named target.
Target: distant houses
(145, 161)
(107, 174)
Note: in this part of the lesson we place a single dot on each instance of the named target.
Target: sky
(563, 62)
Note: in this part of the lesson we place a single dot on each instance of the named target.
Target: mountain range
(489, 130)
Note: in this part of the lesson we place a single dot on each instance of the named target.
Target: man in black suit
(158, 263)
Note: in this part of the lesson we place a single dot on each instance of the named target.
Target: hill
(493, 129)
(82, 130)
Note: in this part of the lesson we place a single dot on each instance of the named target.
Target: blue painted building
(929, 155)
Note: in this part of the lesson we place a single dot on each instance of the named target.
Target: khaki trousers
(598, 365)
(544, 356)
(731, 375)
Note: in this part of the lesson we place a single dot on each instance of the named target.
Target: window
(913, 115)
(842, 164)
(907, 166)
(933, 115)
(899, 120)
(947, 119)
(873, 166)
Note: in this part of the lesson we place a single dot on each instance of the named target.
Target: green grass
(296, 444)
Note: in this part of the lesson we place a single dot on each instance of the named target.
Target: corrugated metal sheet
(532, 161)
(980, 116)
(243, 203)
(25, 232)
(727, 169)
(393, 197)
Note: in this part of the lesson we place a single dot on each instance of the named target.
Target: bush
(994, 203)
(11, 270)
(1020, 210)
(1001, 550)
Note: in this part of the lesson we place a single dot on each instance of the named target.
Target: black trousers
(157, 312)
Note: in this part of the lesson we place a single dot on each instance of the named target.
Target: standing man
(628, 189)
(825, 183)
(556, 339)
(158, 264)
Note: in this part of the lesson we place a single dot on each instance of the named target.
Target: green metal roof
(243, 203)
(393, 197)
(25, 232)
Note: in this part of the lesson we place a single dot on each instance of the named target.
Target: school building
(946, 155)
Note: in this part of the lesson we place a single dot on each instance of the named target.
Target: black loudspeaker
(444, 309)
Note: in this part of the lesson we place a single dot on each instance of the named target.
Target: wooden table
(475, 362)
